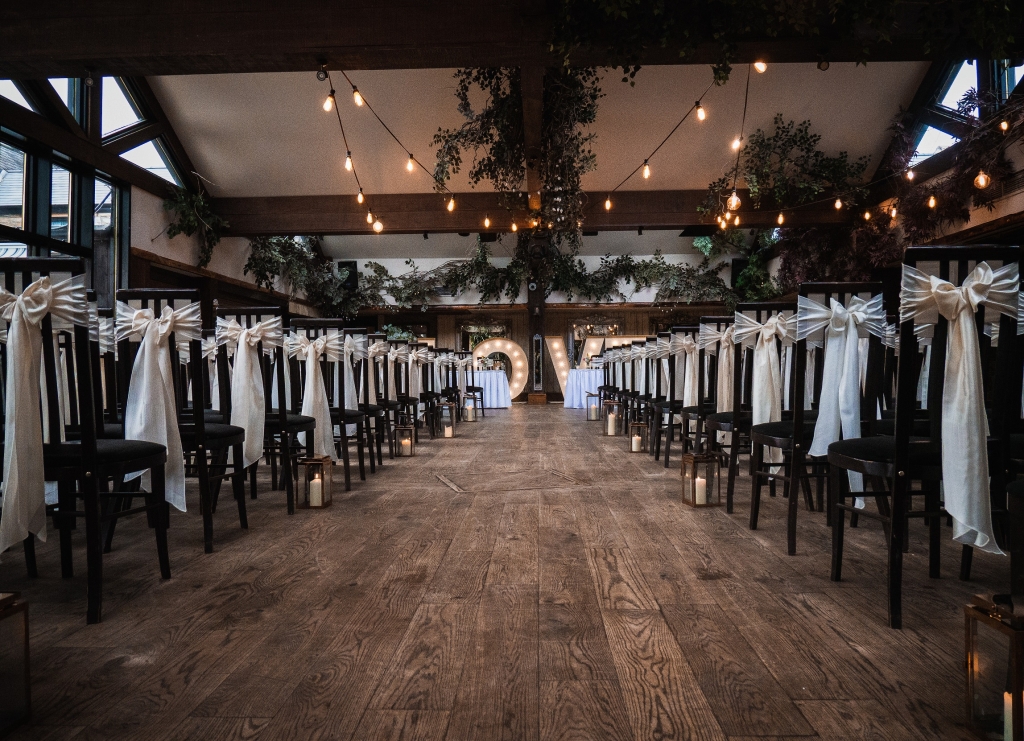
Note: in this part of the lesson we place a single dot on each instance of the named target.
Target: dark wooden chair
(373, 422)
(673, 405)
(377, 391)
(896, 461)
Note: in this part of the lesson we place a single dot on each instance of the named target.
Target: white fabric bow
(248, 401)
(151, 413)
(377, 352)
(691, 377)
(24, 501)
(461, 364)
(396, 354)
(417, 357)
(965, 474)
(721, 344)
(314, 393)
(839, 404)
(766, 384)
(355, 352)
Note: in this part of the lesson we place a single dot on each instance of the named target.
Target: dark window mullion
(38, 180)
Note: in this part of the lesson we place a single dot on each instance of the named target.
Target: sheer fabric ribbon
(766, 382)
(331, 347)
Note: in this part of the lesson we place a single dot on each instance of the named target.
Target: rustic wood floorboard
(562, 593)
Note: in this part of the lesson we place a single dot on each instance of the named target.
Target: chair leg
(730, 488)
(797, 482)
(272, 457)
(931, 504)
(837, 488)
(219, 463)
(895, 562)
(756, 456)
(29, 545)
(286, 469)
(161, 515)
(65, 505)
(360, 452)
(238, 484)
(367, 433)
(93, 548)
(252, 480)
(345, 459)
(390, 430)
(668, 437)
(205, 499)
(379, 435)
(656, 437)
(966, 559)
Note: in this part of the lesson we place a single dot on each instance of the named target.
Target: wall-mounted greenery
(194, 216)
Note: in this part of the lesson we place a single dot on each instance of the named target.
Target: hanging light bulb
(647, 170)
(356, 96)
(838, 204)
(736, 142)
(892, 212)
(411, 164)
(780, 219)
(760, 66)
(348, 161)
(487, 222)
(910, 174)
(931, 201)
(737, 221)
(1004, 125)
(451, 204)
(734, 202)
(867, 216)
(608, 203)
(359, 198)
(377, 226)
(369, 217)
(329, 101)
(724, 224)
(982, 181)
(514, 227)
(701, 113)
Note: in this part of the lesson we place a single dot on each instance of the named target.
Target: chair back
(272, 360)
(711, 344)
(682, 378)
(358, 368)
(333, 371)
(760, 313)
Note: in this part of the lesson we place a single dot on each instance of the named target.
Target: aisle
(564, 592)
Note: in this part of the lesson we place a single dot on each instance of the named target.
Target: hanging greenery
(194, 216)
(625, 32)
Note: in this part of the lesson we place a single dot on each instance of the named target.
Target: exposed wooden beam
(944, 120)
(43, 132)
(41, 95)
(424, 212)
(128, 138)
(165, 37)
(532, 88)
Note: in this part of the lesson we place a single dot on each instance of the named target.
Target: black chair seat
(108, 451)
(780, 431)
(389, 403)
(217, 435)
(350, 416)
(298, 422)
(371, 408)
(922, 428)
(429, 396)
(475, 389)
(215, 416)
(882, 449)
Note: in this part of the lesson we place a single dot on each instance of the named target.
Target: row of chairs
(844, 397)
(148, 369)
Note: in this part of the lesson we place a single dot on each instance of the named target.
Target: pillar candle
(700, 491)
(316, 492)
(611, 424)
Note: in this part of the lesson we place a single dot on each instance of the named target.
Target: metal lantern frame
(995, 683)
(403, 434)
(617, 408)
(642, 431)
(447, 421)
(593, 405)
(469, 409)
(693, 466)
(316, 472)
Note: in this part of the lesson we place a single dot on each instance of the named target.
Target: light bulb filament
(356, 96)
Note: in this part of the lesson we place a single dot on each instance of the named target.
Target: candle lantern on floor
(469, 411)
(701, 482)
(995, 668)
(593, 407)
(14, 667)
(614, 416)
(405, 441)
(447, 411)
(638, 440)
(316, 477)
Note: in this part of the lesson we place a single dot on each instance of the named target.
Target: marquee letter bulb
(982, 181)
(329, 102)
(348, 161)
(356, 96)
(701, 113)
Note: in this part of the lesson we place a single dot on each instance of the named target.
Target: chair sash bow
(314, 394)
(766, 383)
(720, 343)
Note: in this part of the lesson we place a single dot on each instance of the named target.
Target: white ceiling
(267, 134)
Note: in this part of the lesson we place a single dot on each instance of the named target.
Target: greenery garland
(193, 215)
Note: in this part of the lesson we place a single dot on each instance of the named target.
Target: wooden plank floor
(558, 591)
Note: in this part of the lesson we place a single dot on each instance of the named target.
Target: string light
(736, 142)
(780, 219)
(451, 204)
(734, 202)
(329, 101)
(1004, 125)
(377, 226)
(982, 181)
(514, 227)
(411, 164)
(724, 224)
(931, 201)
(892, 212)
(760, 66)
(867, 216)
(608, 204)
(647, 170)
(838, 204)
(369, 217)
(359, 198)
(737, 222)
(348, 161)
(487, 222)
(910, 174)
(701, 113)
(356, 96)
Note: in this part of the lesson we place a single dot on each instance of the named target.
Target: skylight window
(965, 79)
(932, 141)
(63, 87)
(148, 156)
(119, 111)
(10, 91)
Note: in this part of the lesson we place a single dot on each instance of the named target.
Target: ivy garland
(194, 216)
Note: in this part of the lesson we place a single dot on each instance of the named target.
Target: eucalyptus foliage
(194, 216)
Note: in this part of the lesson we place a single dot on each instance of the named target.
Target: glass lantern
(593, 407)
(316, 477)
(14, 666)
(614, 418)
(702, 485)
(447, 411)
(995, 669)
(469, 410)
(405, 441)
(638, 437)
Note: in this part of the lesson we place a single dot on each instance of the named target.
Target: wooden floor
(562, 593)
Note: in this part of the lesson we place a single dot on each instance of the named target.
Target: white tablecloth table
(495, 386)
(580, 382)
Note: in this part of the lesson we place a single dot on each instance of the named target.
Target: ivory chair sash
(766, 382)
(965, 472)
(377, 353)
(151, 413)
(397, 355)
(720, 343)
(24, 500)
(330, 346)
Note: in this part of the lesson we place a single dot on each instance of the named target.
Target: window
(60, 203)
(10, 91)
(119, 110)
(151, 157)
(965, 79)
(1016, 74)
(932, 141)
(12, 186)
(65, 89)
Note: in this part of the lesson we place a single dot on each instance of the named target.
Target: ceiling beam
(414, 213)
(42, 96)
(168, 37)
(132, 136)
(531, 82)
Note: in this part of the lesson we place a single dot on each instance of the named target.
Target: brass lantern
(14, 667)
(405, 441)
(593, 407)
(316, 477)
(995, 669)
(638, 437)
(702, 484)
(614, 418)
